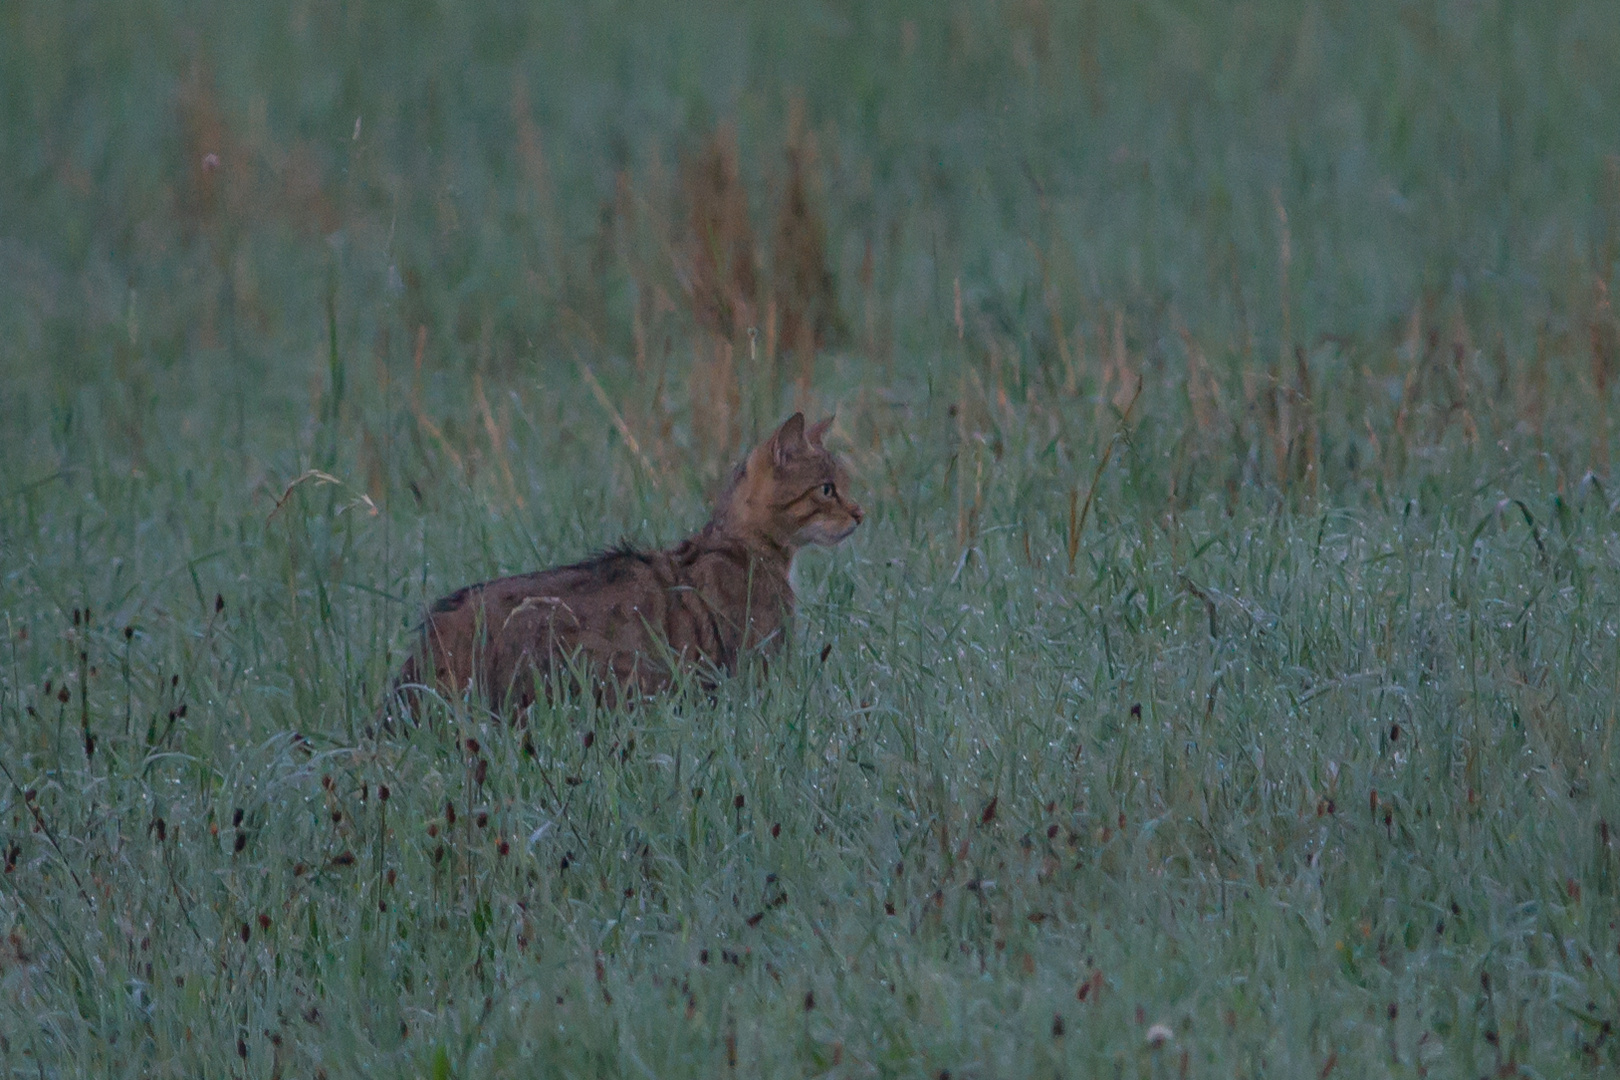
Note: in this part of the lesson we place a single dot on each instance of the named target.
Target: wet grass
(1221, 684)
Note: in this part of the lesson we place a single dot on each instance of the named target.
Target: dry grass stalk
(771, 323)
(993, 344)
(426, 425)
(967, 507)
(801, 282)
(1069, 358)
(720, 273)
(1203, 392)
(1121, 382)
(497, 440)
(967, 445)
(618, 421)
(1306, 435)
(1532, 389)
(1462, 375)
(1604, 333)
(1076, 527)
(1411, 348)
(204, 135)
(1074, 368)
(371, 463)
(1278, 411)
(716, 398)
(535, 195)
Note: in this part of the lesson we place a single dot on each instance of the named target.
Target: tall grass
(1222, 683)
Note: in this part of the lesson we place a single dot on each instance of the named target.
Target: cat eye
(826, 491)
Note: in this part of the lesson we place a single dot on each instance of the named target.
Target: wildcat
(633, 620)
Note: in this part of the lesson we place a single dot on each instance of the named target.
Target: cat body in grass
(635, 621)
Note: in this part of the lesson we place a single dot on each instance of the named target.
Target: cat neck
(762, 549)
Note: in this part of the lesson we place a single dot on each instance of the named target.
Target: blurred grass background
(1231, 645)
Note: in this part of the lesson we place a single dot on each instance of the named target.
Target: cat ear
(817, 430)
(788, 440)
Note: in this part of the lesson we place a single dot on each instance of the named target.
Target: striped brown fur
(631, 622)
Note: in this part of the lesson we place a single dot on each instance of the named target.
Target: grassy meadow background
(1223, 682)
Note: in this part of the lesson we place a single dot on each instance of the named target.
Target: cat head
(791, 491)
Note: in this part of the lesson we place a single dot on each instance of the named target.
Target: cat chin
(822, 538)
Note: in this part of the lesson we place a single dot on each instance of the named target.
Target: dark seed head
(246, 933)
(129, 632)
(383, 792)
(264, 922)
(241, 841)
(588, 739)
(236, 817)
(473, 745)
(776, 830)
(482, 819)
(219, 603)
(738, 802)
(450, 813)
(62, 695)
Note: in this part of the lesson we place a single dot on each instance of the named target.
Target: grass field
(1223, 682)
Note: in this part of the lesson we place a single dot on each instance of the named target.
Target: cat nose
(856, 512)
